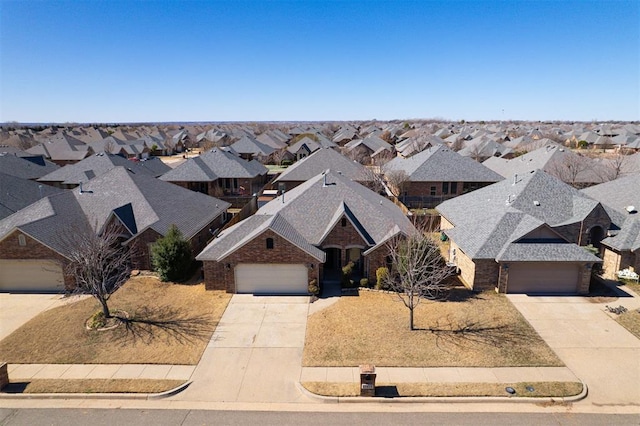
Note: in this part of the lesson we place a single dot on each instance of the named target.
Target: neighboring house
(621, 248)
(523, 235)
(72, 175)
(17, 193)
(571, 168)
(436, 174)
(249, 149)
(31, 168)
(62, 149)
(367, 149)
(484, 147)
(346, 134)
(303, 148)
(34, 242)
(220, 174)
(305, 234)
(318, 162)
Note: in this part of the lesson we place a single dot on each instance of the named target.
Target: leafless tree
(372, 180)
(397, 181)
(109, 146)
(99, 263)
(418, 271)
(457, 145)
(382, 158)
(569, 168)
(277, 156)
(614, 167)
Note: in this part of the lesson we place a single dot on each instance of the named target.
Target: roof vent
(631, 209)
(536, 203)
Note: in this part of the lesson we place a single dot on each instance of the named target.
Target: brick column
(503, 278)
(4, 375)
(584, 278)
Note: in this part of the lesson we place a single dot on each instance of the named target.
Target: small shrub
(583, 144)
(381, 276)
(97, 320)
(347, 271)
(364, 282)
(313, 287)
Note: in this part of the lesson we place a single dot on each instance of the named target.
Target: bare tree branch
(418, 271)
(98, 262)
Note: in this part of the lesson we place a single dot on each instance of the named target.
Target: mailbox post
(367, 380)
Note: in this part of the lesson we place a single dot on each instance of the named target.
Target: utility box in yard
(367, 380)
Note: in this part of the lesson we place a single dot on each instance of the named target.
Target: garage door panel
(543, 277)
(31, 276)
(271, 278)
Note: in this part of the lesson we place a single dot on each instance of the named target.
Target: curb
(127, 396)
(453, 399)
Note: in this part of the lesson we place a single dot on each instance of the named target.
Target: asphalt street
(99, 417)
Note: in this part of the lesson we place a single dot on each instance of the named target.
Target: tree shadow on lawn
(462, 331)
(149, 324)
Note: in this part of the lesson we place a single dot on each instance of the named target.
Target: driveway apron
(591, 343)
(255, 354)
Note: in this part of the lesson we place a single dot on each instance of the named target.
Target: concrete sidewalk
(23, 372)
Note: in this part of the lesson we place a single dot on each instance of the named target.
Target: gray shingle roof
(23, 168)
(321, 160)
(441, 164)
(98, 164)
(247, 145)
(17, 193)
(616, 196)
(212, 165)
(487, 220)
(310, 211)
(154, 204)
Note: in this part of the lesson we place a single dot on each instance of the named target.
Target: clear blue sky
(108, 61)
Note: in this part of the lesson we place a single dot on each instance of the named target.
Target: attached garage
(31, 276)
(543, 277)
(271, 278)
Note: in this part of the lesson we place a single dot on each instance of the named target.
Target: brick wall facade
(613, 261)
(221, 276)
(578, 232)
(10, 248)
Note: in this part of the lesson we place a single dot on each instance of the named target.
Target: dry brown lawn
(94, 386)
(170, 324)
(469, 330)
(540, 389)
(631, 321)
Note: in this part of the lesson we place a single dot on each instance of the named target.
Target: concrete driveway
(17, 309)
(255, 354)
(588, 340)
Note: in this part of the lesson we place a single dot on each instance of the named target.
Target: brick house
(34, 241)
(305, 234)
(435, 175)
(620, 248)
(316, 163)
(219, 173)
(524, 235)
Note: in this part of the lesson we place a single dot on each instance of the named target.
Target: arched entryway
(596, 234)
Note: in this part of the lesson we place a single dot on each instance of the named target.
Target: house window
(433, 191)
(22, 241)
(445, 187)
(344, 221)
(269, 243)
(454, 187)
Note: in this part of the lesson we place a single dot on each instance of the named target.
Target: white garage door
(31, 275)
(271, 278)
(543, 277)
